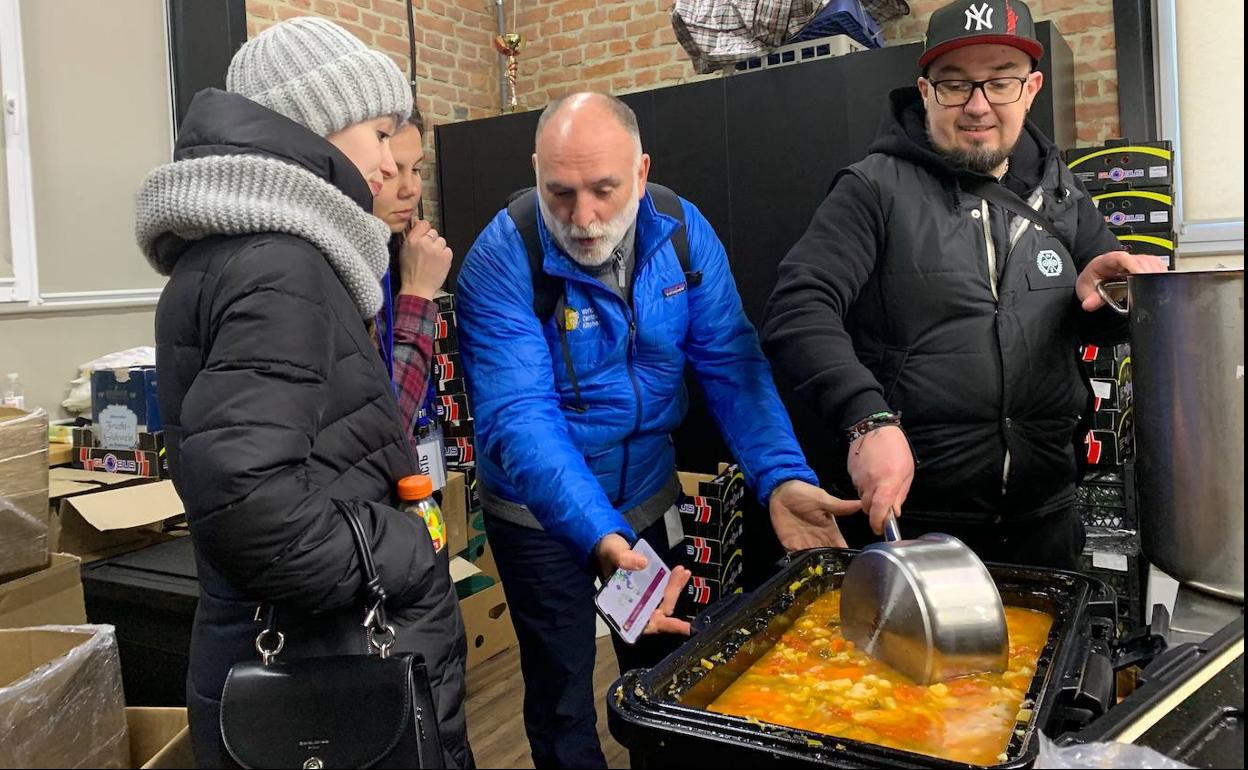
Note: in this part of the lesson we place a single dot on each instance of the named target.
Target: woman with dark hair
(419, 262)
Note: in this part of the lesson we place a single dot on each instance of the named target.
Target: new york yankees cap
(979, 22)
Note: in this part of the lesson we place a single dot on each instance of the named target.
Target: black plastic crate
(1101, 499)
(1126, 573)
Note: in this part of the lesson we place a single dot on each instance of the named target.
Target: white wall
(1210, 36)
(46, 348)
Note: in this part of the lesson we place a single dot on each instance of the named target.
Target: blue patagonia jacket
(578, 466)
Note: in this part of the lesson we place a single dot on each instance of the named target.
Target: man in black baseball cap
(934, 308)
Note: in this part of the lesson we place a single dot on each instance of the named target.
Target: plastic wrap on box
(23, 491)
(61, 701)
(1115, 755)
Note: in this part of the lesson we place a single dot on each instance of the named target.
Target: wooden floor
(495, 699)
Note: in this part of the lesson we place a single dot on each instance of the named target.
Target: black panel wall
(203, 38)
(755, 152)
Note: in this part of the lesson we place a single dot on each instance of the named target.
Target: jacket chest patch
(584, 318)
(1049, 263)
(674, 289)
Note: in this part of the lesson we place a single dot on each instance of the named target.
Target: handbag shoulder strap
(380, 632)
(995, 192)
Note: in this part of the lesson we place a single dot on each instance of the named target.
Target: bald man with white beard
(579, 307)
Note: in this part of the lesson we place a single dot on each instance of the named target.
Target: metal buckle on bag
(267, 654)
(382, 647)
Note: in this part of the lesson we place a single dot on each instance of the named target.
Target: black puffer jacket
(276, 403)
(909, 293)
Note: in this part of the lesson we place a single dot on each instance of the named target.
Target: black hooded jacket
(276, 404)
(890, 301)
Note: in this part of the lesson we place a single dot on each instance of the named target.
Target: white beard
(608, 235)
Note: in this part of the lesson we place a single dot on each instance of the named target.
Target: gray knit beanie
(319, 75)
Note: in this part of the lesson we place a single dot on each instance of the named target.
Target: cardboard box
(159, 738)
(131, 462)
(98, 524)
(487, 624)
(68, 482)
(1149, 210)
(460, 451)
(474, 490)
(712, 514)
(445, 331)
(446, 302)
(468, 578)
(24, 520)
(482, 555)
(61, 701)
(478, 544)
(446, 367)
(1102, 448)
(452, 387)
(1106, 361)
(49, 597)
(1138, 164)
(61, 431)
(483, 605)
(123, 405)
(1105, 394)
(455, 512)
(1125, 431)
(83, 436)
(459, 428)
(712, 505)
(453, 408)
(60, 454)
(706, 557)
(1159, 244)
(702, 592)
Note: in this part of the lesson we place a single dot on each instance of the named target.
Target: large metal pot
(1187, 367)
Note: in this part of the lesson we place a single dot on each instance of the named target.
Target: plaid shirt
(414, 319)
(718, 33)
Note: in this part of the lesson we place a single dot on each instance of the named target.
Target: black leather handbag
(370, 710)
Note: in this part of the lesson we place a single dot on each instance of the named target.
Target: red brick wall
(628, 45)
(622, 46)
(456, 66)
(608, 45)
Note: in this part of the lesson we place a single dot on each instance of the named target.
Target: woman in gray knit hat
(275, 399)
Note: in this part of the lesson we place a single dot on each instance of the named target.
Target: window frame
(1201, 237)
(23, 286)
(21, 293)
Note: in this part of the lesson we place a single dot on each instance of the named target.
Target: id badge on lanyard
(430, 454)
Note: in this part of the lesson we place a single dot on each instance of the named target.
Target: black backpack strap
(548, 299)
(668, 202)
(522, 208)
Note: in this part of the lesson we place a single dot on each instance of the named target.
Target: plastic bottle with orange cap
(416, 494)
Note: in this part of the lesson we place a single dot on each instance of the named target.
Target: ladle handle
(891, 532)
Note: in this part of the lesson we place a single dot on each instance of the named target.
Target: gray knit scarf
(243, 194)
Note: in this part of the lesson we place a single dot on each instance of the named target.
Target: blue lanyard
(387, 343)
(428, 411)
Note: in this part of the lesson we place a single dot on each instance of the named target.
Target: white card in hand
(629, 598)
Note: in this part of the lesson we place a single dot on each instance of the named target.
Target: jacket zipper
(986, 220)
(630, 357)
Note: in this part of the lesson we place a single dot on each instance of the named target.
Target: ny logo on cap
(980, 15)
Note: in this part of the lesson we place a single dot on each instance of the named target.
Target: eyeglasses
(956, 93)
